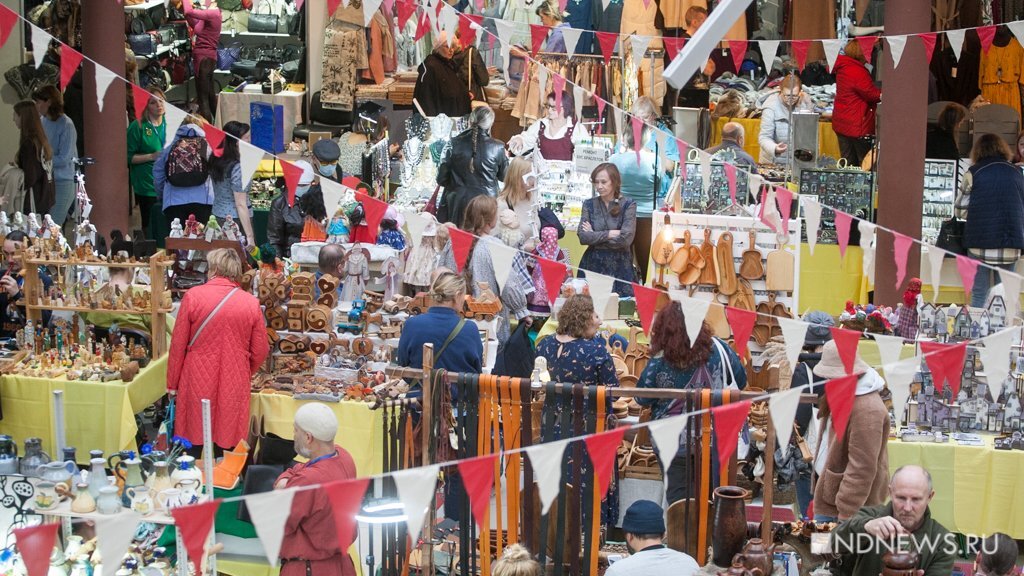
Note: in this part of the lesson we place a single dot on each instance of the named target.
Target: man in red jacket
(853, 115)
(310, 544)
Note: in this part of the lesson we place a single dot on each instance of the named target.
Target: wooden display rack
(157, 265)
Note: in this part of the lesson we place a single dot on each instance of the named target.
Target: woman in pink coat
(218, 343)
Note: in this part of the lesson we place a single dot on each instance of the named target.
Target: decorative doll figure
(213, 231)
(422, 259)
(230, 229)
(390, 233)
(49, 227)
(176, 230)
(908, 317)
(357, 273)
(33, 225)
(5, 225)
(18, 222)
(391, 276)
(192, 227)
(337, 230)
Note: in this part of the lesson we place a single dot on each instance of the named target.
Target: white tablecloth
(235, 106)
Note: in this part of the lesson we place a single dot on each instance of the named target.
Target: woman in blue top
(457, 345)
(708, 363)
(63, 138)
(607, 227)
(552, 17)
(181, 201)
(230, 198)
(644, 182)
(573, 354)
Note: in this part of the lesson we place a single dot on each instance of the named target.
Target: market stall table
(98, 415)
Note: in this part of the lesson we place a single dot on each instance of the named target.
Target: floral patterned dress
(578, 361)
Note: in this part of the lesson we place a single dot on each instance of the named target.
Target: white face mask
(326, 170)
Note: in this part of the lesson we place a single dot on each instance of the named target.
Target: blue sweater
(63, 140)
(169, 194)
(995, 211)
(464, 353)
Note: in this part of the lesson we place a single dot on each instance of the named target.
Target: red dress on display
(219, 365)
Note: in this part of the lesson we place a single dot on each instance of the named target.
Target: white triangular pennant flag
(890, 348)
(898, 377)
(832, 48)
(546, 461)
(661, 137)
(416, 223)
(935, 258)
(1011, 293)
(103, 79)
(620, 122)
(695, 310)
(578, 94)
(416, 487)
(601, 287)
(956, 41)
(269, 512)
(334, 195)
(705, 171)
(506, 58)
(432, 14)
(250, 162)
(666, 433)
(369, 9)
(114, 535)
(502, 256)
(896, 45)
(505, 30)
(754, 183)
(995, 359)
(572, 38)
(542, 79)
(639, 43)
(40, 44)
(1018, 30)
(449, 22)
(782, 407)
(793, 334)
(769, 49)
(812, 213)
(174, 117)
(606, 3)
(867, 245)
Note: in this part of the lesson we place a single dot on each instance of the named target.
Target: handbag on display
(142, 44)
(265, 23)
(270, 449)
(244, 68)
(951, 236)
(227, 55)
(168, 36)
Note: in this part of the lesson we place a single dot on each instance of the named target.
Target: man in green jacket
(904, 523)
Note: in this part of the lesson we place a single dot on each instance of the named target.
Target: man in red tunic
(310, 545)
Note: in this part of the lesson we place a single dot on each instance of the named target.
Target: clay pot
(736, 569)
(900, 563)
(730, 525)
(756, 558)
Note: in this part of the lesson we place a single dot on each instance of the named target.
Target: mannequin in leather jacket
(475, 164)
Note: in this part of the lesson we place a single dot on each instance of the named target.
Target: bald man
(331, 260)
(731, 148)
(905, 521)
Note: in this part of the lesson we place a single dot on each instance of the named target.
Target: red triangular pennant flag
(406, 8)
(346, 499)
(332, 5)
(785, 199)
(673, 46)
(901, 250)
(842, 221)
(986, 34)
(742, 324)
(462, 241)
(35, 544)
(140, 99)
(946, 363)
(800, 48)
(840, 393)
(478, 480)
(607, 42)
(374, 210)
(537, 35)
(601, 103)
(730, 177)
(729, 420)
(646, 302)
(638, 131)
(70, 59)
(215, 136)
(292, 174)
(422, 26)
(867, 45)
(194, 523)
(554, 274)
(8, 19)
(738, 49)
(929, 45)
(558, 85)
(968, 269)
(467, 30)
(760, 213)
(602, 449)
(683, 147)
(846, 345)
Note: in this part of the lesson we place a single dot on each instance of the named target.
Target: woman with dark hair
(707, 363)
(230, 197)
(63, 139)
(555, 136)
(991, 200)
(607, 227)
(35, 158)
(573, 354)
(146, 138)
(853, 116)
(940, 140)
(475, 164)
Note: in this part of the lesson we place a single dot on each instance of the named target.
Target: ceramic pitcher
(83, 502)
(168, 499)
(130, 475)
(34, 457)
(189, 491)
(108, 502)
(46, 496)
(8, 455)
(160, 478)
(141, 499)
(97, 476)
(60, 473)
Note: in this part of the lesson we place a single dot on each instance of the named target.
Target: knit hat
(818, 329)
(318, 420)
(644, 517)
(326, 150)
(831, 365)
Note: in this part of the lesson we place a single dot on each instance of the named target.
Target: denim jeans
(803, 493)
(983, 281)
(64, 198)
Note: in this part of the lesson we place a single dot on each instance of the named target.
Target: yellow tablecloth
(977, 489)
(98, 415)
(828, 143)
(826, 283)
(360, 430)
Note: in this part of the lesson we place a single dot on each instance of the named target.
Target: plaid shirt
(986, 255)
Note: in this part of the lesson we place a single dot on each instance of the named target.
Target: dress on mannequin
(1000, 75)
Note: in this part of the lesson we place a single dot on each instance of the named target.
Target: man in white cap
(310, 544)
(287, 216)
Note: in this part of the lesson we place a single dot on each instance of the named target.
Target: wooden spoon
(709, 275)
(695, 263)
(727, 283)
(751, 267)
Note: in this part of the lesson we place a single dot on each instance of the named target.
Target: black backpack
(187, 165)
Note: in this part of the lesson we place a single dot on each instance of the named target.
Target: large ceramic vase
(729, 530)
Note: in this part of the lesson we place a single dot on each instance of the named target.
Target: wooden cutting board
(781, 266)
(709, 275)
(727, 282)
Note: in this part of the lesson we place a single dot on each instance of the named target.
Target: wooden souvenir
(318, 318)
(320, 346)
(391, 331)
(328, 286)
(419, 304)
(374, 300)
(680, 259)
(362, 346)
(780, 270)
(695, 265)
(743, 297)
(247, 279)
(727, 282)
(751, 267)
(272, 336)
(276, 317)
(637, 354)
(296, 316)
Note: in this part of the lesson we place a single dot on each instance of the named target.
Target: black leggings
(205, 92)
(145, 207)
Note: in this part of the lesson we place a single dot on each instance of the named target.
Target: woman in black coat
(439, 89)
(475, 164)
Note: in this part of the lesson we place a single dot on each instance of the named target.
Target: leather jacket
(460, 183)
(285, 223)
